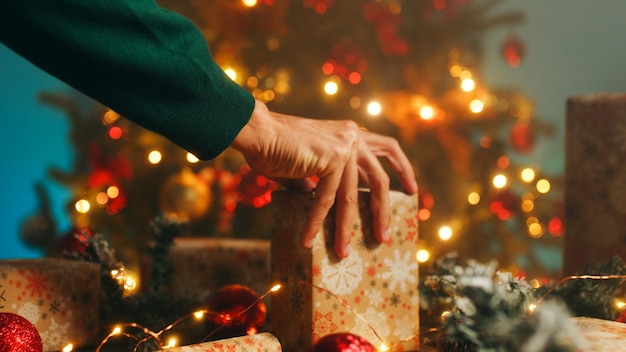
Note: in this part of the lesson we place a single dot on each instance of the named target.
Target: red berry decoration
(230, 316)
(17, 334)
(522, 137)
(76, 241)
(343, 342)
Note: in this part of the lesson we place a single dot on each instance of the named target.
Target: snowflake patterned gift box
(263, 342)
(595, 180)
(60, 297)
(373, 293)
(600, 335)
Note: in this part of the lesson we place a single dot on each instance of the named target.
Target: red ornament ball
(343, 342)
(513, 50)
(522, 137)
(17, 334)
(229, 311)
(76, 240)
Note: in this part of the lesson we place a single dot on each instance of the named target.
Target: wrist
(249, 140)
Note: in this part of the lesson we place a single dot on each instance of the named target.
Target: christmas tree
(409, 69)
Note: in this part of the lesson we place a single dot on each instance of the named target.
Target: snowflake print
(30, 311)
(375, 297)
(405, 326)
(375, 318)
(343, 277)
(55, 307)
(394, 300)
(402, 270)
(37, 283)
(54, 337)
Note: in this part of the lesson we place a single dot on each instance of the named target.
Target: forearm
(149, 64)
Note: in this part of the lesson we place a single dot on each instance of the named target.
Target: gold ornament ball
(185, 196)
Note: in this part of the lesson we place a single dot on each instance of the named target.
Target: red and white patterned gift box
(263, 342)
(373, 293)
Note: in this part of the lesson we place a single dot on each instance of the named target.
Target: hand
(338, 153)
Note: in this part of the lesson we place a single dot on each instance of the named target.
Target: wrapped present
(595, 180)
(259, 342)
(373, 293)
(60, 297)
(600, 335)
(201, 266)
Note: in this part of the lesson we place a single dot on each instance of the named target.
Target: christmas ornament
(76, 241)
(185, 195)
(231, 316)
(513, 50)
(504, 204)
(522, 137)
(17, 334)
(343, 342)
(255, 189)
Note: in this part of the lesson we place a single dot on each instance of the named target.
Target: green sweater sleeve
(147, 63)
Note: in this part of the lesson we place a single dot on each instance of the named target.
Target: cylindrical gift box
(259, 342)
(595, 180)
(60, 297)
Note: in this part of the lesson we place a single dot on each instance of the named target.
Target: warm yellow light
(252, 82)
(620, 304)
(422, 256)
(528, 205)
(445, 233)
(535, 283)
(532, 307)
(465, 74)
(383, 347)
(445, 314)
(543, 186)
(531, 220)
(476, 106)
(116, 330)
(535, 230)
(473, 198)
(109, 117)
(355, 102)
(68, 348)
(192, 158)
(102, 198)
(455, 70)
(171, 343)
(230, 72)
(374, 108)
(276, 287)
(113, 192)
(427, 112)
(528, 174)
(154, 157)
(82, 206)
(249, 3)
(130, 284)
(467, 85)
(499, 181)
(331, 88)
(199, 314)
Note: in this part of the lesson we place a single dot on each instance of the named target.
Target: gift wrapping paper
(201, 266)
(600, 335)
(60, 297)
(263, 342)
(595, 180)
(374, 291)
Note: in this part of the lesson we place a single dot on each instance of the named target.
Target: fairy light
(374, 108)
(231, 73)
(499, 181)
(249, 3)
(422, 256)
(68, 348)
(619, 304)
(154, 157)
(383, 347)
(171, 342)
(528, 205)
(199, 314)
(110, 117)
(445, 233)
(192, 159)
(465, 74)
(532, 307)
(113, 192)
(102, 198)
(535, 230)
(116, 330)
(427, 112)
(115, 132)
(455, 70)
(331, 88)
(276, 287)
(476, 106)
(543, 186)
(82, 206)
(468, 85)
(527, 175)
(473, 198)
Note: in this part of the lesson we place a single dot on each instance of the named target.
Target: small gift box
(595, 180)
(249, 343)
(201, 266)
(60, 297)
(373, 293)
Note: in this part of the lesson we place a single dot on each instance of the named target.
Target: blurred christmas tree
(406, 68)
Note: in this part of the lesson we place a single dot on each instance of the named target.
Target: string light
(113, 192)
(82, 206)
(527, 175)
(543, 186)
(192, 159)
(499, 181)
(473, 198)
(154, 157)
(231, 73)
(331, 88)
(427, 112)
(445, 233)
(476, 106)
(467, 85)
(374, 108)
(422, 256)
(249, 3)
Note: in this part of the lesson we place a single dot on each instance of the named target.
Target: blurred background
(474, 90)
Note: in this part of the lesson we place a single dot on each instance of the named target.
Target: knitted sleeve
(147, 63)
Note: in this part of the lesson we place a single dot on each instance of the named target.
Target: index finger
(389, 148)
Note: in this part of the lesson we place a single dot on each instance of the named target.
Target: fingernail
(308, 243)
(347, 250)
(387, 235)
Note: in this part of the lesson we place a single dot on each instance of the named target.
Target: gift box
(373, 293)
(201, 266)
(600, 335)
(60, 297)
(595, 180)
(249, 343)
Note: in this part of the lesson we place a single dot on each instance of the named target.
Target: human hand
(338, 153)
